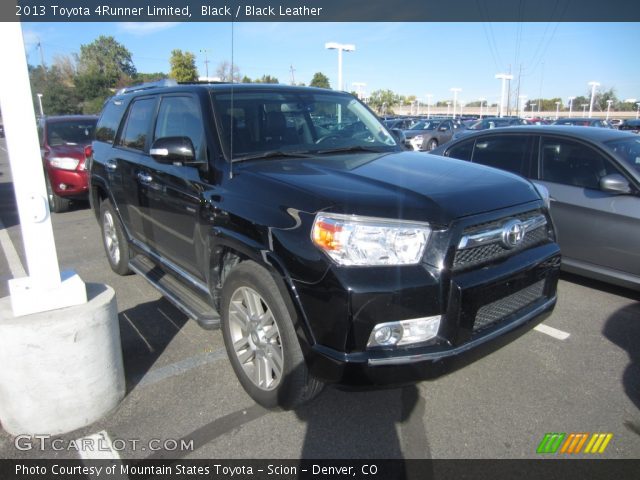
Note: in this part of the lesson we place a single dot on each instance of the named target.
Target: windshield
(257, 124)
(628, 149)
(425, 125)
(71, 132)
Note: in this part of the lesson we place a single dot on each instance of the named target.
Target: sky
(556, 59)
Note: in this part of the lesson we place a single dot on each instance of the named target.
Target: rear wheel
(261, 341)
(57, 204)
(114, 241)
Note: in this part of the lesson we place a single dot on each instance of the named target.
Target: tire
(115, 242)
(433, 143)
(57, 204)
(257, 326)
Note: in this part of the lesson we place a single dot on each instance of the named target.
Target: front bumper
(76, 182)
(460, 340)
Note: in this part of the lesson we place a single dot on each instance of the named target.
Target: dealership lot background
(181, 387)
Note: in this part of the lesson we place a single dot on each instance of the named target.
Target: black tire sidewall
(290, 392)
(57, 204)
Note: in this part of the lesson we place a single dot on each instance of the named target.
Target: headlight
(354, 240)
(64, 163)
(417, 138)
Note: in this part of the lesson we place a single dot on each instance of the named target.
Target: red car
(65, 144)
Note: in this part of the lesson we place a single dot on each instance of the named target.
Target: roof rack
(201, 82)
(167, 82)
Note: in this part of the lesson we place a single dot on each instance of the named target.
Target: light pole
(340, 47)
(455, 91)
(429, 97)
(532, 105)
(521, 99)
(40, 104)
(504, 77)
(638, 111)
(557, 109)
(571, 99)
(359, 89)
(609, 102)
(448, 105)
(482, 100)
(584, 108)
(593, 96)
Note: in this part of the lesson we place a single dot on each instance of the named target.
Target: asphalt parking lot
(181, 388)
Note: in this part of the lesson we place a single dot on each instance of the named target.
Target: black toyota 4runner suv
(291, 218)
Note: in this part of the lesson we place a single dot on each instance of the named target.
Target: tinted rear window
(109, 121)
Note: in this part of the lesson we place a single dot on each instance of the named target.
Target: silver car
(593, 178)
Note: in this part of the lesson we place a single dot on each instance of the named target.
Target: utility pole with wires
(518, 91)
(293, 77)
(206, 61)
(41, 56)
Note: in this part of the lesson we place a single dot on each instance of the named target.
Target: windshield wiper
(272, 154)
(352, 148)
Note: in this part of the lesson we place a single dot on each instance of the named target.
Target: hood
(404, 185)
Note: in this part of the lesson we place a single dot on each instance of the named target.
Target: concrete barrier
(60, 370)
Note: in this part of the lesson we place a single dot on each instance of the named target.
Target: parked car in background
(490, 122)
(65, 144)
(630, 126)
(593, 178)
(615, 122)
(428, 134)
(401, 123)
(582, 122)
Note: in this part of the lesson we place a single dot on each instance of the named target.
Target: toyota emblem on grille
(513, 233)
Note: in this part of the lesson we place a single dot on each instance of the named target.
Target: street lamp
(593, 96)
(429, 97)
(340, 47)
(482, 100)
(40, 104)
(638, 111)
(571, 99)
(584, 108)
(609, 102)
(532, 105)
(448, 105)
(455, 91)
(504, 77)
(557, 109)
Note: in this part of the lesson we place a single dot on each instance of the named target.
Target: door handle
(111, 164)
(144, 178)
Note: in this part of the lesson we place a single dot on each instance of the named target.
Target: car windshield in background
(628, 149)
(261, 124)
(425, 125)
(71, 132)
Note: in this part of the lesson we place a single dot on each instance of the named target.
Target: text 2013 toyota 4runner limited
(292, 219)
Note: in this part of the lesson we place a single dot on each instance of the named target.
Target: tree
(183, 66)
(58, 98)
(266, 79)
(383, 101)
(226, 73)
(150, 77)
(320, 80)
(246, 79)
(107, 58)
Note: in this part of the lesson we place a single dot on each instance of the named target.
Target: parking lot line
(151, 349)
(552, 332)
(178, 368)
(15, 265)
(4, 149)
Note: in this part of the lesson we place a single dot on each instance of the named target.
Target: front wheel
(114, 240)
(57, 204)
(261, 342)
(433, 143)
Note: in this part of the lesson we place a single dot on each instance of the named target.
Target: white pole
(429, 97)
(557, 109)
(609, 102)
(455, 91)
(37, 292)
(504, 77)
(571, 99)
(40, 104)
(340, 69)
(593, 96)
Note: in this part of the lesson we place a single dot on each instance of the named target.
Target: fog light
(404, 332)
(62, 186)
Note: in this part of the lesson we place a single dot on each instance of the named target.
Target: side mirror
(398, 135)
(615, 183)
(174, 150)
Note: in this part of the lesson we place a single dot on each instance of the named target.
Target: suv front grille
(497, 311)
(466, 257)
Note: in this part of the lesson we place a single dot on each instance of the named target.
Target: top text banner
(319, 11)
